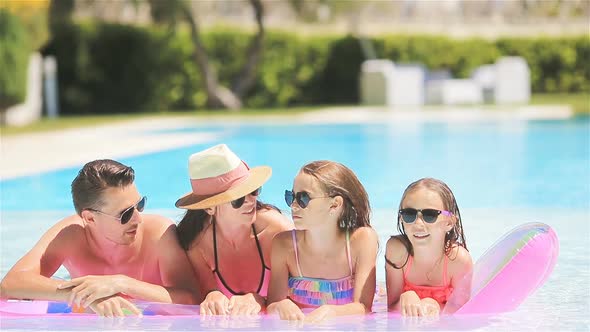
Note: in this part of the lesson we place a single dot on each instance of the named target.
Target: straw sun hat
(219, 176)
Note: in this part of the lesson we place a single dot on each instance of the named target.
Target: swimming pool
(503, 173)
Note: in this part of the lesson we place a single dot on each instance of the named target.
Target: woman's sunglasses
(126, 215)
(429, 216)
(302, 198)
(237, 203)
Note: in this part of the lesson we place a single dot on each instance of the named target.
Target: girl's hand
(248, 304)
(430, 307)
(322, 313)
(215, 303)
(288, 310)
(410, 304)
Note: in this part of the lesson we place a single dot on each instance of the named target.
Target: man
(111, 251)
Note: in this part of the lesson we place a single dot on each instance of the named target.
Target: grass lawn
(76, 121)
(580, 103)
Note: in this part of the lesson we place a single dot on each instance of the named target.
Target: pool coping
(29, 154)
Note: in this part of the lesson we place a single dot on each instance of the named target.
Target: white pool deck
(27, 154)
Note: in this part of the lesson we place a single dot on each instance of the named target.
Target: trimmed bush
(116, 68)
(14, 59)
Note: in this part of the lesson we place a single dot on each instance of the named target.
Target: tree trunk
(247, 76)
(217, 95)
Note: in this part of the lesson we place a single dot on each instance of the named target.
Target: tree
(218, 96)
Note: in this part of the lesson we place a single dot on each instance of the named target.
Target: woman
(227, 232)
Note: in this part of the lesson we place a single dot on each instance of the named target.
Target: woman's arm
(203, 271)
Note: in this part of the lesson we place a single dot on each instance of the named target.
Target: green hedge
(107, 68)
(14, 56)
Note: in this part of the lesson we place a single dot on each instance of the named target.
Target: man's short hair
(96, 177)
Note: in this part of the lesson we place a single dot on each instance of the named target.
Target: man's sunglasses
(237, 203)
(302, 198)
(126, 215)
(429, 216)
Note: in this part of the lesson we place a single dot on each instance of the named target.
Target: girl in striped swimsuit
(328, 262)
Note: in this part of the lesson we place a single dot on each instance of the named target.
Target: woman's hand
(430, 307)
(215, 303)
(287, 310)
(249, 304)
(410, 304)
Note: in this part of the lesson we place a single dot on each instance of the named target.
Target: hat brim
(257, 177)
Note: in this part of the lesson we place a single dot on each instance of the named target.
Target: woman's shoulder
(272, 221)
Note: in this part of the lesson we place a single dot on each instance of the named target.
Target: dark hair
(338, 180)
(455, 236)
(193, 222)
(96, 177)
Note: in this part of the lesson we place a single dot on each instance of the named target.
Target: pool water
(503, 174)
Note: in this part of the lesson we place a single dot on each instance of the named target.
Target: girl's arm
(364, 242)
(277, 301)
(460, 272)
(395, 253)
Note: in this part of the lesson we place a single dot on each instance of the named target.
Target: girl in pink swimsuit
(426, 262)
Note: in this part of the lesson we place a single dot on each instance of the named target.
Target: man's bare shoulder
(69, 226)
(156, 225)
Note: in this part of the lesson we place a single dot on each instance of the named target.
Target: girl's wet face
(419, 232)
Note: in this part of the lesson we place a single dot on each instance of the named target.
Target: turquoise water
(503, 174)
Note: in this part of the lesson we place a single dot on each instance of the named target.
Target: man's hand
(114, 306)
(85, 290)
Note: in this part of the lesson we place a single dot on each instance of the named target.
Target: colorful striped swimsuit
(315, 292)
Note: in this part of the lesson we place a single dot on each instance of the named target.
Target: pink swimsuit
(264, 277)
(438, 293)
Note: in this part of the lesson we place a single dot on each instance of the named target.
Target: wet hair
(455, 236)
(194, 221)
(95, 178)
(338, 180)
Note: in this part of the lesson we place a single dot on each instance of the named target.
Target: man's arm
(30, 277)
